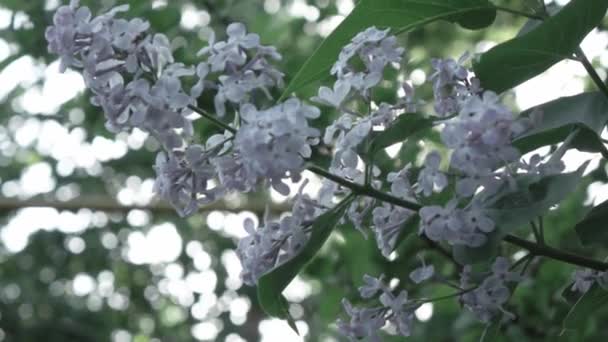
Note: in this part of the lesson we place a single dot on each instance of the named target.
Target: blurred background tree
(88, 254)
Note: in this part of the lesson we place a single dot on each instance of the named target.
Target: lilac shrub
(136, 81)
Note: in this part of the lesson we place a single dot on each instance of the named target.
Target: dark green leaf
(587, 305)
(404, 126)
(519, 208)
(588, 111)
(401, 15)
(593, 229)
(491, 332)
(517, 60)
(272, 284)
(475, 19)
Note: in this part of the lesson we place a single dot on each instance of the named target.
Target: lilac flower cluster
(365, 323)
(135, 80)
(375, 50)
(585, 278)
(452, 83)
(487, 298)
(276, 242)
(454, 225)
(270, 144)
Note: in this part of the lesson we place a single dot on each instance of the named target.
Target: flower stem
(211, 118)
(437, 299)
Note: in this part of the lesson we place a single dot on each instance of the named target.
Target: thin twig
(591, 71)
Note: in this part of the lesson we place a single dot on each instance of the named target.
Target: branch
(364, 190)
(557, 254)
(591, 71)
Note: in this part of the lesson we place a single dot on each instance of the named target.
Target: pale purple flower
(583, 279)
(487, 300)
(333, 97)
(388, 223)
(376, 50)
(371, 286)
(422, 273)
(430, 178)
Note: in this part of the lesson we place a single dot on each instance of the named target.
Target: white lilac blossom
(388, 223)
(430, 179)
(347, 133)
(455, 225)
(480, 137)
(333, 97)
(365, 323)
(135, 80)
(585, 278)
(271, 145)
(400, 183)
(376, 50)
(275, 243)
(184, 178)
(110, 51)
(486, 299)
(371, 286)
(358, 211)
(451, 84)
(422, 273)
(244, 64)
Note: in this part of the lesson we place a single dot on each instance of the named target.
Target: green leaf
(517, 60)
(475, 19)
(588, 111)
(587, 305)
(519, 208)
(401, 15)
(272, 284)
(593, 229)
(491, 332)
(403, 127)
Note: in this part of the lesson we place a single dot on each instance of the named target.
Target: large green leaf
(402, 128)
(593, 229)
(515, 209)
(517, 60)
(588, 111)
(587, 305)
(402, 15)
(521, 207)
(272, 284)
